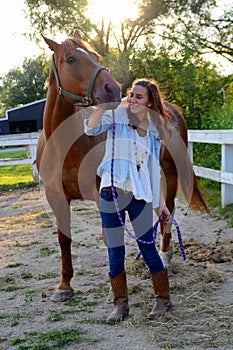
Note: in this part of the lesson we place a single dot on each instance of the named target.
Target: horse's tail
(190, 188)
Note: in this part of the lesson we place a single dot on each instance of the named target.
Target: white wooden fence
(20, 142)
(225, 175)
(223, 137)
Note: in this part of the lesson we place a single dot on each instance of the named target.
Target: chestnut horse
(77, 79)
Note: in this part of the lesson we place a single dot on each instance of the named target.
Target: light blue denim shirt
(122, 148)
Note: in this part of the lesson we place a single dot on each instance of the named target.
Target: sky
(15, 47)
(13, 25)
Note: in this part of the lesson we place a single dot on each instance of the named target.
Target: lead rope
(161, 218)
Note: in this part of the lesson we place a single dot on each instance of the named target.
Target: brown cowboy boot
(161, 288)
(121, 307)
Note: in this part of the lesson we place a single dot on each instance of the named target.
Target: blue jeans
(141, 216)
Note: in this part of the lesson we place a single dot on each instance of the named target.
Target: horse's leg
(166, 246)
(61, 210)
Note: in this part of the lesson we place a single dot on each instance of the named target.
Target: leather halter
(87, 100)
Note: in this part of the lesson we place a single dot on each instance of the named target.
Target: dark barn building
(23, 119)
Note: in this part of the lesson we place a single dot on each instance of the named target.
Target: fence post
(227, 165)
(35, 175)
(190, 150)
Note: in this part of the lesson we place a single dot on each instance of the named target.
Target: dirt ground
(30, 263)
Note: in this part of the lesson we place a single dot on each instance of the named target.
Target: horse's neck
(56, 111)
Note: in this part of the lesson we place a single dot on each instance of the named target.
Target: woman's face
(138, 99)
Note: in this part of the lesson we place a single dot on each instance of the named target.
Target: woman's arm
(98, 122)
(95, 117)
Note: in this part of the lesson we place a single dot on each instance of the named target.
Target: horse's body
(63, 148)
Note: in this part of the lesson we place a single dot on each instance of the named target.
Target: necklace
(140, 152)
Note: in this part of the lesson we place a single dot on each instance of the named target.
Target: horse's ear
(51, 44)
(77, 35)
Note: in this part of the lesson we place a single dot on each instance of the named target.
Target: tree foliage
(175, 61)
(22, 85)
(184, 78)
(198, 24)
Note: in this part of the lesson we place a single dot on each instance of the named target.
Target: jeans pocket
(106, 195)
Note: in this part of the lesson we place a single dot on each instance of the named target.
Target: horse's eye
(70, 59)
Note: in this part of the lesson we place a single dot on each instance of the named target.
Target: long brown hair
(157, 110)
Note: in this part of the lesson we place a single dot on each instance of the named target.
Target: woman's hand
(163, 211)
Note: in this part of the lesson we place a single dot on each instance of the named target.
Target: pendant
(138, 169)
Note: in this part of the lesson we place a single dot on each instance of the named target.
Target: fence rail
(225, 175)
(222, 137)
(21, 142)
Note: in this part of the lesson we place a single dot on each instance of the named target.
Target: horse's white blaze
(82, 50)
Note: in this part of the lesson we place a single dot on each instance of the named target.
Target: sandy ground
(30, 263)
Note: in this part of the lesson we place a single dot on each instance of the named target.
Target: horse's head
(79, 76)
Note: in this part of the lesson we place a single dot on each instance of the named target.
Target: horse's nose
(113, 91)
(107, 93)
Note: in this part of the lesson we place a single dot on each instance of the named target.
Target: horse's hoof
(62, 295)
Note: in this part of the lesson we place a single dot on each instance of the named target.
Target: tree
(204, 26)
(194, 24)
(184, 78)
(26, 84)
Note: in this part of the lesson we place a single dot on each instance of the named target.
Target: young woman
(138, 128)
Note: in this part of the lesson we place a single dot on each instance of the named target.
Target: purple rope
(161, 218)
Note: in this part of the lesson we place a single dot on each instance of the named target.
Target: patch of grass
(30, 294)
(45, 276)
(227, 214)
(55, 316)
(212, 195)
(16, 176)
(52, 339)
(14, 155)
(87, 305)
(7, 279)
(47, 224)
(45, 251)
(26, 275)
(11, 254)
(83, 272)
(12, 288)
(15, 319)
(22, 245)
(14, 265)
(75, 300)
(83, 304)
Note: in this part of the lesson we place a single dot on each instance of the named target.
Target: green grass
(14, 155)
(212, 195)
(211, 191)
(53, 339)
(14, 265)
(48, 275)
(15, 177)
(45, 251)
